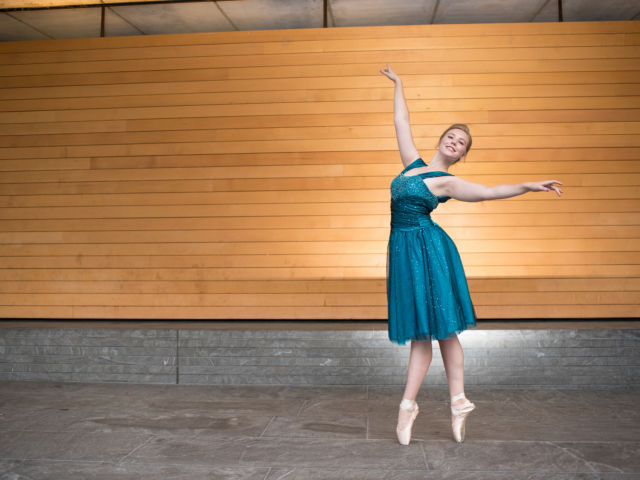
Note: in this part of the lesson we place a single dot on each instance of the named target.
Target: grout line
(366, 435)
(119, 462)
(267, 426)
(424, 456)
(177, 357)
(304, 404)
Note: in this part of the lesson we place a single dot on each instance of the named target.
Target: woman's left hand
(545, 186)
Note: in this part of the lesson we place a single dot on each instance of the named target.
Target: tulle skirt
(427, 292)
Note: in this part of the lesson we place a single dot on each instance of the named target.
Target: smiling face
(455, 142)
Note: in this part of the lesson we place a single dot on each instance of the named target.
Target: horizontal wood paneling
(245, 175)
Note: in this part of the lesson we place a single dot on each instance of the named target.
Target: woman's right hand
(387, 72)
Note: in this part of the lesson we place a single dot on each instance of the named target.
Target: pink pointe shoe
(404, 434)
(459, 413)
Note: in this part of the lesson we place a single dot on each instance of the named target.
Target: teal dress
(427, 293)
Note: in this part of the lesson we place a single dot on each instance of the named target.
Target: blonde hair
(465, 129)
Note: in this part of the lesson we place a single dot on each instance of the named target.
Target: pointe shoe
(404, 434)
(459, 413)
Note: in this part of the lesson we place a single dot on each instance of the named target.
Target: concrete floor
(132, 431)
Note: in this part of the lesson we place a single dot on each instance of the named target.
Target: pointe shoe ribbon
(404, 434)
(459, 413)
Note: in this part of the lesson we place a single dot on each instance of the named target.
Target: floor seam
(151, 437)
(266, 475)
(267, 426)
(304, 404)
(424, 456)
(366, 435)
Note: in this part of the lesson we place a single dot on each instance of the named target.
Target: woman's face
(454, 144)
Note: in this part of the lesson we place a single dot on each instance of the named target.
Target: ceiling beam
(560, 13)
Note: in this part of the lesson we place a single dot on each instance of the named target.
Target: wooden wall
(246, 174)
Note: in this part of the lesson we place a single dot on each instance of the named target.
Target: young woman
(427, 290)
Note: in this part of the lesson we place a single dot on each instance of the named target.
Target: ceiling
(219, 16)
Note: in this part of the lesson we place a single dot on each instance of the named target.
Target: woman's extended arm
(459, 189)
(408, 150)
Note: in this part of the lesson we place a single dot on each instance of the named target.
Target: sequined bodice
(411, 200)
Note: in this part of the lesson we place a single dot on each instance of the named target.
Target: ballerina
(427, 292)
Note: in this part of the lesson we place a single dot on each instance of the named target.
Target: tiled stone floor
(131, 431)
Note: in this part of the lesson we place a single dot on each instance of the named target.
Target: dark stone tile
(337, 427)
(245, 406)
(68, 470)
(267, 452)
(513, 456)
(262, 392)
(297, 473)
(317, 408)
(327, 453)
(176, 423)
(433, 423)
(72, 395)
(99, 447)
(7, 466)
(50, 419)
(394, 393)
(622, 457)
(203, 449)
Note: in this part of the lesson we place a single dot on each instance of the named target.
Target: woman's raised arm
(408, 150)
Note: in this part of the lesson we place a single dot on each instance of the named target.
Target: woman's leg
(453, 358)
(419, 361)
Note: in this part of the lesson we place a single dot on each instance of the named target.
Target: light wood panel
(245, 175)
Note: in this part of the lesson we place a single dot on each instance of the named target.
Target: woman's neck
(439, 163)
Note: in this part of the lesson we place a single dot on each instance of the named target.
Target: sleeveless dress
(427, 293)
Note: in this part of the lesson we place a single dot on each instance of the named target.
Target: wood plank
(303, 300)
(559, 311)
(521, 161)
(342, 82)
(274, 177)
(92, 185)
(611, 186)
(528, 206)
(306, 71)
(499, 242)
(488, 133)
(470, 259)
(362, 45)
(436, 122)
(355, 93)
(326, 108)
(297, 233)
(373, 227)
(304, 145)
(327, 53)
(478, 287)
(305, 313)
(306, 273)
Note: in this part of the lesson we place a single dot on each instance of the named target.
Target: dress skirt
(427, 292)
